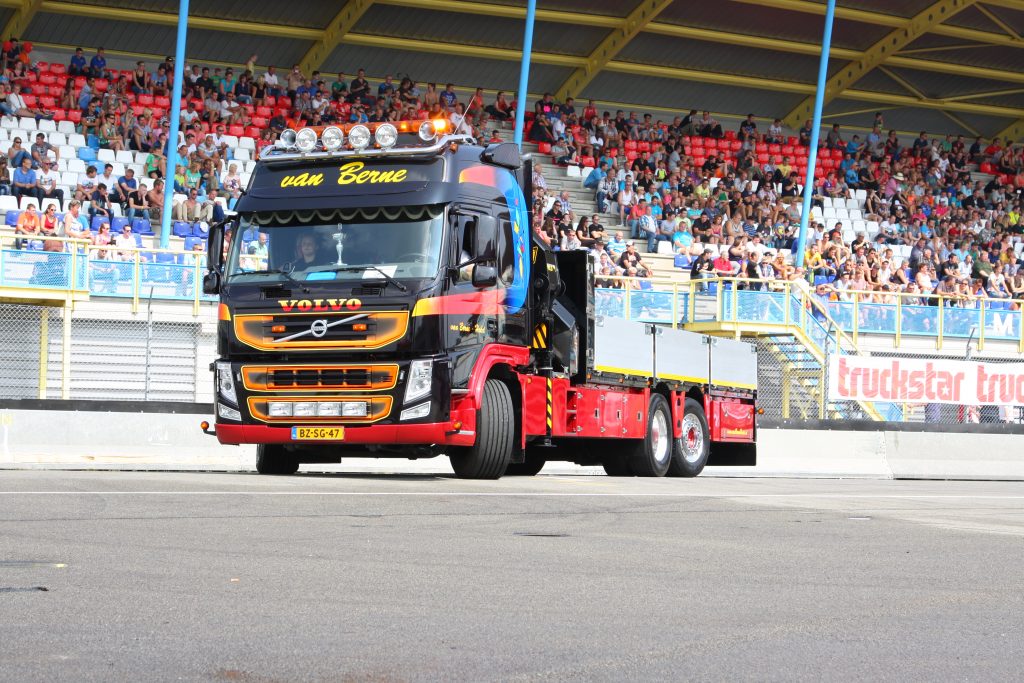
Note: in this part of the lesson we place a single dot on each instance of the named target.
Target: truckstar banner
(908, 380)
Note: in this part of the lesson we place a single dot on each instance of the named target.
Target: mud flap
(725, 454)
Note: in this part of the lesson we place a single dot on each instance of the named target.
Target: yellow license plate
(318, 433)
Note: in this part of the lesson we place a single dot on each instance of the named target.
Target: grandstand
(720, 184)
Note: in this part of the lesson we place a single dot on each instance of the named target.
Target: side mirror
(486, 236)
(484, 276)
(211, 282)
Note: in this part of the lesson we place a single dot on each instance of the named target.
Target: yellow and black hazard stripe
(550, 408)
(540, 336)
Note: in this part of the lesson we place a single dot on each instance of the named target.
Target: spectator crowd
(722, 202)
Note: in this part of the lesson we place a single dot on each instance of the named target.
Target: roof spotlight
(288, 138)
(332, 138)
(426, 131)
(386, 136)
(359, 136)
(305, 140)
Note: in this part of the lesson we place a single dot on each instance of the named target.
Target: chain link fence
(54, 353)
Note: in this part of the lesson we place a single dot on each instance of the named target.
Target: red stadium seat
(253, 131)
(794, 141)
(30, 100)
(613, 152)
(145, 100)
(237, 131)
(735, 145)
(270, 101)
(643, 146)
(588, 161)
(763, 158)
(630, 145)
(48, 102)
(162, 101)
(265, 112)
(58, 69)
(775, 149)
(544, 147)
(47, 78)
(730, 135)
(59, 115)
(75, 115)
(631, 156)
(102, 84)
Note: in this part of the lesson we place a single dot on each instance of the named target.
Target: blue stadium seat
(98, 220)
(682, 261)
(87, 154)
(118, 222)
(200, 229)
(181, 229)
(138, 241)
(191, 242)
(12, 218)
(93, 142)
(174, 259)
(140, 226)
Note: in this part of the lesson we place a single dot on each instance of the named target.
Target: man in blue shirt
(24, 180)
(77, 65)
(595, 177)
(98, 64)
(448, 97)
(126, 184)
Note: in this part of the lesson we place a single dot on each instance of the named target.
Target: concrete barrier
(78, 439)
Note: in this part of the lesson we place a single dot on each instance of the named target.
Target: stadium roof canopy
(941, 65)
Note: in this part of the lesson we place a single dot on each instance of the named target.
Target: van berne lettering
(302, 180)
(353, 173)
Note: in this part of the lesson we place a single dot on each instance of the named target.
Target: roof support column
(343, 22)
(646, 12)
(877, 54)
(21, 18)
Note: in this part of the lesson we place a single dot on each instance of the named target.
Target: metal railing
(38, 264)
(774, 302)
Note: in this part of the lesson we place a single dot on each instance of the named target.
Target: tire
(617, 466)
(652, 456)
(691, 450)
(490, 456)
(533, 464)
(274, 459)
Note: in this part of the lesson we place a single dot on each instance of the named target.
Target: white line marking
(484, 494)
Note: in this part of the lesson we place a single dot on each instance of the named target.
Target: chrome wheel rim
(660, 437)
(692, 438)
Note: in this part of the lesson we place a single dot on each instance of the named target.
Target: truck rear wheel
(617, 466)
(651, 456)
(274, 459)
(690, 451)
(489, 457)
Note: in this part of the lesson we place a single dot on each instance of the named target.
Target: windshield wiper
(358, 269)
(270, 271)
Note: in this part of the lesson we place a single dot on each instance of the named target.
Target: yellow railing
(846, 335)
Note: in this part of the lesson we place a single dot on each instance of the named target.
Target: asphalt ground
(113, 576)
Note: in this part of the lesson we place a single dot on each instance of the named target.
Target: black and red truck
(382, 295)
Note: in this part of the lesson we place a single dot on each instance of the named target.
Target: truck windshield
(349, 244)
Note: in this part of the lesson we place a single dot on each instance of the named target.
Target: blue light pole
(174, 112)
(812, 157)
(524, 72)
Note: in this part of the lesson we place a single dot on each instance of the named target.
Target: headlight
(333, 138)
(359, 137)
(287, 138)
(305, 140)
(304, 409)
(228, 413)
(329, 409)
(418, 382)
(426, 131)
(387, 135)
(354, 409)
(422, 410)
(279, 409)
(226, 383)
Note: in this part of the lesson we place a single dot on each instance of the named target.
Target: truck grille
(328, 378)
(351, 330)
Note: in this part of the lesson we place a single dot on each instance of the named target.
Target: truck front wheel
(690, 451)
(489, 457)
(274, 459)
(533, 463)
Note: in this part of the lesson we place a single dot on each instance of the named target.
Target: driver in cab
(307, 254)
